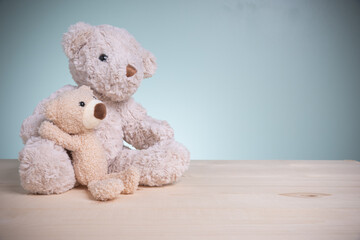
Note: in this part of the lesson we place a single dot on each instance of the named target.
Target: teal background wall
(236, 79)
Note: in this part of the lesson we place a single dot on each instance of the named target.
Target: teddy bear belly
(110, 132)
(89, 166)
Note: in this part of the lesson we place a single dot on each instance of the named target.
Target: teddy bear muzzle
(130, 70)
(100, 111)
(94, 113)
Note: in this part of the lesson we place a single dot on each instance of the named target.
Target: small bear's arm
(31, 124)
(141, 130)
(50, 131)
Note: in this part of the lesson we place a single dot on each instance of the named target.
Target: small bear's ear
(51, 109)
(150, 65)
(76, 37)
(86, 89)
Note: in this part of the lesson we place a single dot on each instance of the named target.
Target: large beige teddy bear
(73, 116)
(113, 64)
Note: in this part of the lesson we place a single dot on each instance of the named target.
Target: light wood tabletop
(264, 199)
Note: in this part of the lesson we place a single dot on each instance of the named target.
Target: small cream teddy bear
(73, 116)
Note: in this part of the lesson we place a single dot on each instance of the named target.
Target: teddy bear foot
(45, 168)
(106, 189)
(131, 179)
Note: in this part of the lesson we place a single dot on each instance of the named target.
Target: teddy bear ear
(86, 88)
(150, 65)
(76, 37)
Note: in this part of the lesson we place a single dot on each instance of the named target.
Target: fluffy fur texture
(45, 167)
(106, 189)
(159, 158)
(68, 112)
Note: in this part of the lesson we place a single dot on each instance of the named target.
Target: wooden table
(214, 200)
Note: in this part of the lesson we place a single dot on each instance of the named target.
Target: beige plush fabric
(113, 64)
(67, 114)
(106, 189)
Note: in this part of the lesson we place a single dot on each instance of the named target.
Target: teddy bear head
(108, 59)
(76, 111)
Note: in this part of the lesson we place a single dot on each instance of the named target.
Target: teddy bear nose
(100, 111)
(130, 70)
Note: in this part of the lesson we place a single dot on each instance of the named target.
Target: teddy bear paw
(131, 178)
(106, 189)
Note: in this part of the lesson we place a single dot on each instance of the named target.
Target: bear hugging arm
(31, 124)
(50, 131)
(141, 130)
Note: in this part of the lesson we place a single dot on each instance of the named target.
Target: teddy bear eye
(82, 104)
(103, 57)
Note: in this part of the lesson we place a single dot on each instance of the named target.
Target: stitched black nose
(100, 111)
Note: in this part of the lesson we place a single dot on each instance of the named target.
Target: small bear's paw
(130, 178)
(46, 129)
(106, 189)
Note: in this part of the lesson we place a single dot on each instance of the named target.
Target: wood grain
(214, 200)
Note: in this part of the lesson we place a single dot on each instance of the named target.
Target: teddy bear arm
(141, 130)
(50, 131)
(31, 124)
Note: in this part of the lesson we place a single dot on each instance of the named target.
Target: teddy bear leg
(106, 189)
(161, 164)
(130, 178)
(45, 168)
